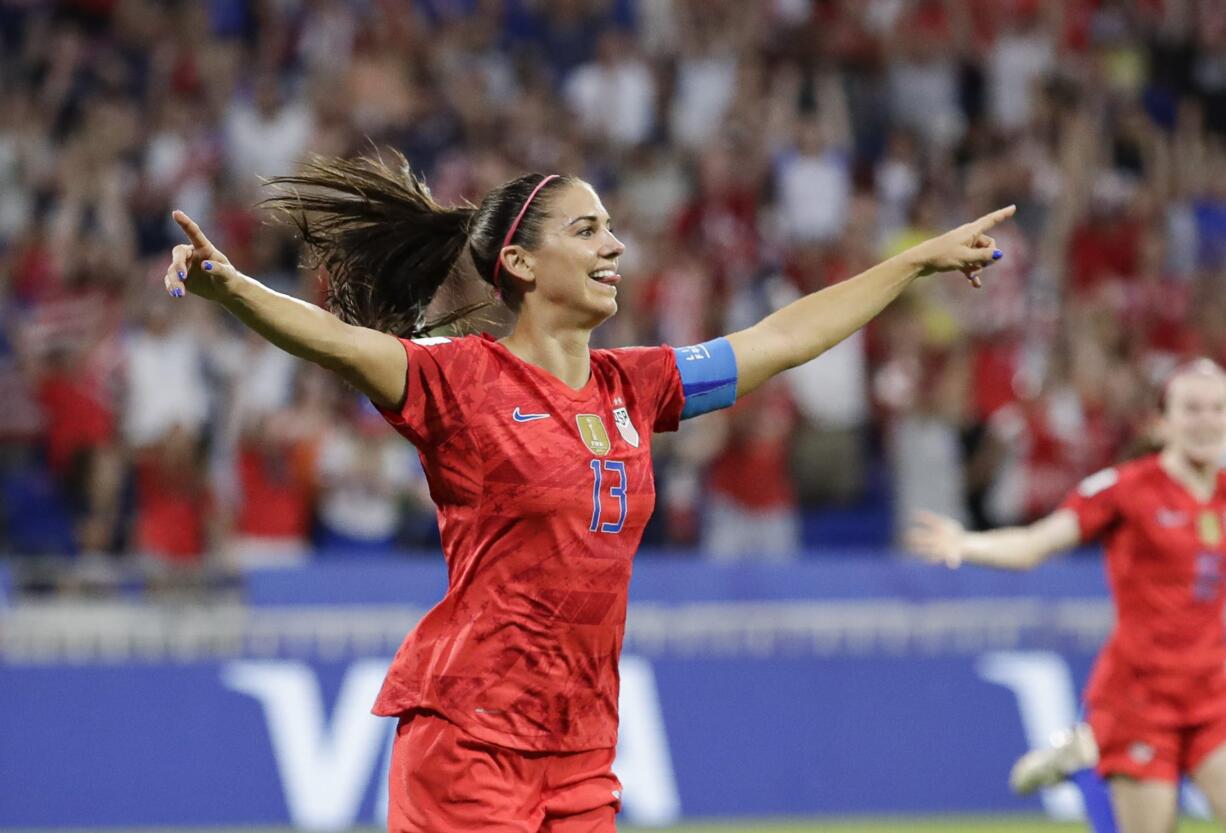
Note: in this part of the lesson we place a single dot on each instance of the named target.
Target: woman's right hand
(198, 267)
(936, 538)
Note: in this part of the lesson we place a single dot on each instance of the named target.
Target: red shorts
(1128, 745)
(1155, 726)
(444, 781)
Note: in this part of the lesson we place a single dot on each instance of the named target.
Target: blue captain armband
(708, 376)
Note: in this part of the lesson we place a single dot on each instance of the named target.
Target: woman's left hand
(966, 249)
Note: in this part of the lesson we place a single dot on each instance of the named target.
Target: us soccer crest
(1209, 529)
(593, 433)
(621, 418)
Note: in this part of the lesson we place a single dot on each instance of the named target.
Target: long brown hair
(388, 246)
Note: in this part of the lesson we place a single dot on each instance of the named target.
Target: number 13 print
(619, 491)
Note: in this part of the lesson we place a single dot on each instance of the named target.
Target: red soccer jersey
(1165, 567)
(543, 492)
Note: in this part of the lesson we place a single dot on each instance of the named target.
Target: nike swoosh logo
(518, 417)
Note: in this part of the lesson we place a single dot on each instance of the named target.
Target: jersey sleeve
(682, 382)
(1095, 502)
(437, 390)
(653, 373)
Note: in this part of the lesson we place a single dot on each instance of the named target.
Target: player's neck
(1199, 479)
(561, 352)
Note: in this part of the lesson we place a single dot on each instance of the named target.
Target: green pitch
(959, 824)
(929, 824)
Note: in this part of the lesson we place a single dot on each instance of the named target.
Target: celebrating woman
(537, 452)
(1157, 697)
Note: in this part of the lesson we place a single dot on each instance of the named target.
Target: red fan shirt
(543, 492)
(1165, 553)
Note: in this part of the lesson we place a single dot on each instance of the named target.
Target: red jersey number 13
(615, 469)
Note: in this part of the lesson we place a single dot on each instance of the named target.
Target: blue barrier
(183, 745)
(422, 580)
(837, 686)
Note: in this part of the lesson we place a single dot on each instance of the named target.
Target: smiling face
(571, 274)
(1194, 419)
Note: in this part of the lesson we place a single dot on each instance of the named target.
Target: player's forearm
(1012, 548)
(811, 325)
(299, 328)
(1023, 547)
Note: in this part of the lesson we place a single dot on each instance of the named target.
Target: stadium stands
(747, 151)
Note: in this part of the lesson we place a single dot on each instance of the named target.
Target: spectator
(815, 166)
(1024, 51)
(174, 509)
(752, 510)
(368, 479)
(614, 96)
(276, 462)
(925, 446)
(166, 384)
(82, 450)
(266, 135)
(924, 82)
(706, 76)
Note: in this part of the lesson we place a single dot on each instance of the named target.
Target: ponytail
(386, 244)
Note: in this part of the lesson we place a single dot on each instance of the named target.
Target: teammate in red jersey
(537, 452)
(1157, 696)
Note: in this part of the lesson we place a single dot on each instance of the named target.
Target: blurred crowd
(748, 151)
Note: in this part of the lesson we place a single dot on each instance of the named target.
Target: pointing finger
(192, 230)
(998, 216)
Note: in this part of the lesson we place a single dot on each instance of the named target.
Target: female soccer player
(537, 452)
(1157, 696)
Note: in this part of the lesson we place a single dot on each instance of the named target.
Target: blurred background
(180, 502)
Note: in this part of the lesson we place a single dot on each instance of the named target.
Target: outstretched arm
(371, 361)
(810, 326)
(942, 540)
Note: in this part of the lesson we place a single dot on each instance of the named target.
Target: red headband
(506, 241)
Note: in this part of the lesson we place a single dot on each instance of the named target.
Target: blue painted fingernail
(182, 276)
(208, 267)
(997, 254)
